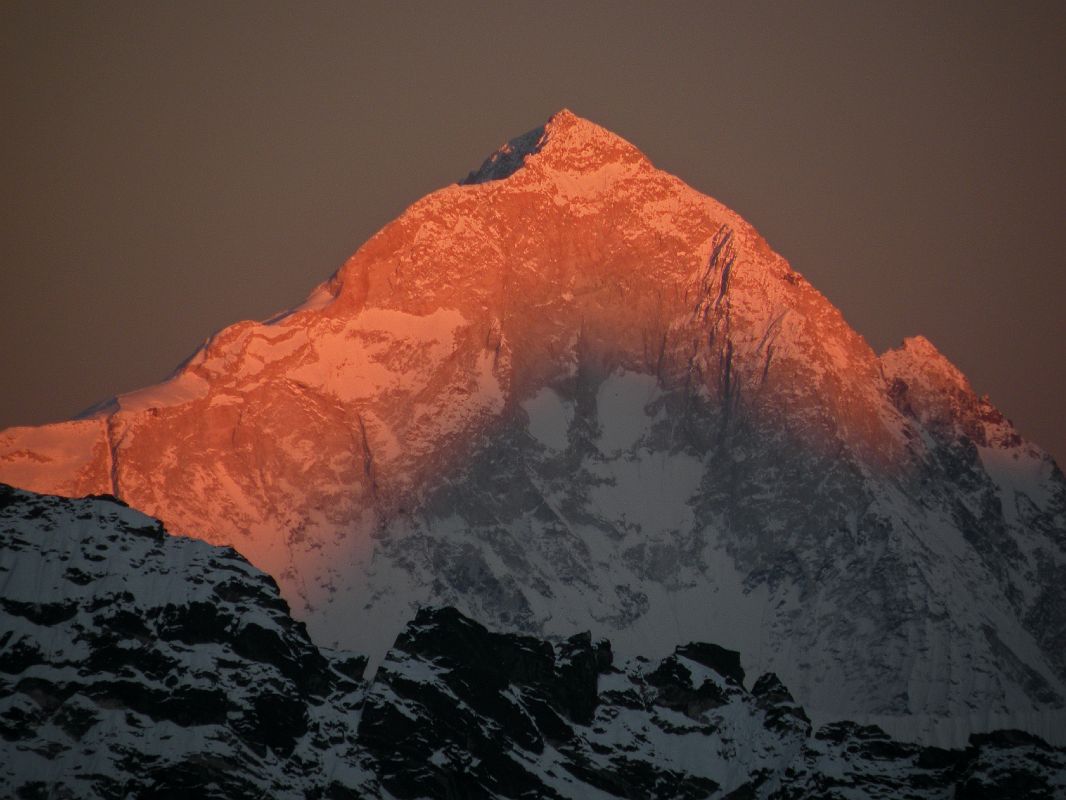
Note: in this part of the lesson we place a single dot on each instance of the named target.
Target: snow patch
(549, 418)
(179, 390)
(621, 405)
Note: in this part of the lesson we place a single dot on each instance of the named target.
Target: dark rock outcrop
(156, 666)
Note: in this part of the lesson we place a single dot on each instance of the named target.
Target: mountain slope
(570, 393)
(133, 663)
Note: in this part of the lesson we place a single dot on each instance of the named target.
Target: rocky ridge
(140, 664)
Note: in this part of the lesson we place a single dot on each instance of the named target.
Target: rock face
(572, 393)
(133, 663)
(457, 711)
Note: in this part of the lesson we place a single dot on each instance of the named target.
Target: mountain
(137, 664)
(572, 393)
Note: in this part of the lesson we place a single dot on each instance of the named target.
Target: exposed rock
(179, 674)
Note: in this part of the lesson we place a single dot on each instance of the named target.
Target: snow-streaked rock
(137, 664)
(573, 393)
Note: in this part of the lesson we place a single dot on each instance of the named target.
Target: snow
(1020, 474)
(621, 402)
(103, 562)
(127, 568)
(380, 352)
(549, 418)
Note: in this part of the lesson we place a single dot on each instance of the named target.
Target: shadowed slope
(139, 664)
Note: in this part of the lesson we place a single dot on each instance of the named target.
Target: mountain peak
(564, 116)
(918, 359)
(580, 395)
(565, 123)
(565, 143)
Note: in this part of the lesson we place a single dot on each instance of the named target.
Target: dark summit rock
(508, 159)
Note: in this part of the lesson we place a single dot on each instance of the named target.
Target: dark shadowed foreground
(134, 663)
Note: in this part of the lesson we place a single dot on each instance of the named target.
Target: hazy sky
(168, 169)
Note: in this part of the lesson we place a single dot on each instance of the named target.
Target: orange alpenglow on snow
(566, 243)
(568, 341)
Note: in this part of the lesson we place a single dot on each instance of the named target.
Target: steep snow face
(574, 393)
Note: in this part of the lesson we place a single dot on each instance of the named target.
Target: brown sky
(168, 169)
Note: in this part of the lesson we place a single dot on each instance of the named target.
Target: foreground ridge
(572, 393)
(136, 663)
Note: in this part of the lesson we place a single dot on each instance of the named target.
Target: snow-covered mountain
(137, 664)
(573, 393)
